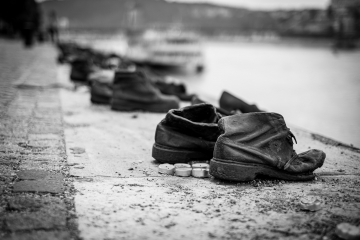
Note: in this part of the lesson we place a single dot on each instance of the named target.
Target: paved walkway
(35, 201)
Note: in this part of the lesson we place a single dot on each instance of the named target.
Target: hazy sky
(267, 4)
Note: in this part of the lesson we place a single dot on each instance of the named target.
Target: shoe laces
(290, 137)
(294, 155)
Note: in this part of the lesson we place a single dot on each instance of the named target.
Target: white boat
(174, 49)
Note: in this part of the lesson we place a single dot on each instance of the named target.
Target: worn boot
(100, 92)
(260, 144)
(101, 86)
(168, 85)
(80, 70)
(196, 100)
(172, 88)
(187, 134)
(132, 91)
(231, 103)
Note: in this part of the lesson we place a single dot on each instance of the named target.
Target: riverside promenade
(73, 170)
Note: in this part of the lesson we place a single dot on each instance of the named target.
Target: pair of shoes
(81, 68)
(101, 82)
(196, 100)
(133, 91)
(168, 85)
(241, 146)
(127, 90)
(229, 104)
(175, 89)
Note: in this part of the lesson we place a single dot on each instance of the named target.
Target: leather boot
(80, 70)
(196, 100)
(100, 92)
(255, 144)
(168, 86)
(132, 91)
(231, 103)
(187, 134)
(174, 89)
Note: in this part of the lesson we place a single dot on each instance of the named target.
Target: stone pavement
(35, 193)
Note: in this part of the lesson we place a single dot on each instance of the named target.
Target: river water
(313, 87)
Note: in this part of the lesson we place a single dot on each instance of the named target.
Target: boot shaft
(198, 120)
(231, 103)
(261, 138)
(135, 85)
(187, 134)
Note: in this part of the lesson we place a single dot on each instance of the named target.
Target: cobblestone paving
(35, 193)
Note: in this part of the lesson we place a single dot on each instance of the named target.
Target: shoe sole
(246, 172)
(173, 155)
(99, 99)
(128, 105)
(78, 79)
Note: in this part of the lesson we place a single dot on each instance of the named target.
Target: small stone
(200, 172)
(183, 172)
(195, 162)
(200, 165)
(166, 169)
(77, 150)
(182, 165)
(347, 231)
(310, 204)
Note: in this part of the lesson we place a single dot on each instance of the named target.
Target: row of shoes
(114, 80)
(241, 141)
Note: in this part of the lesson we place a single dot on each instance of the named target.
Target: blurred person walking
(28, 22)
(53, 28)
(22, 17)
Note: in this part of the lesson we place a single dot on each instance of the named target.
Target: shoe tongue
(252, 123)
(198, 120)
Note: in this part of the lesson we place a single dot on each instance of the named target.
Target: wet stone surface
(35, 193)
(32, 174)
(39, 235)
(23, 203)
(40, 186)
(34, 221)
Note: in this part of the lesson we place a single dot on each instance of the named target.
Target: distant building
(347, 14)
(345, 3)
(303, 22)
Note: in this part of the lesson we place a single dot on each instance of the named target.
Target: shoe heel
(248, 172)
(99, 100)
(172, 155)
(129, 105)
(232, 172)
